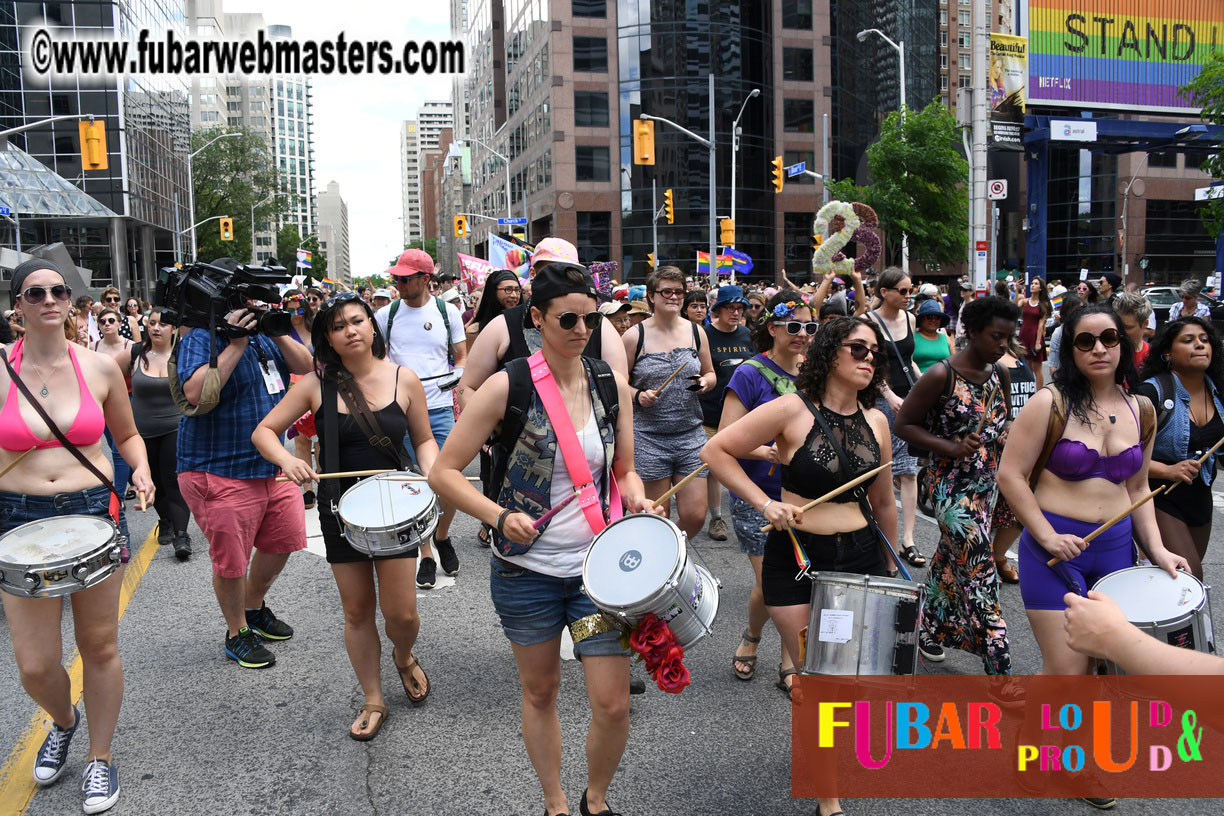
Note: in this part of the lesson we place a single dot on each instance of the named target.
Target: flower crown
(785, 311)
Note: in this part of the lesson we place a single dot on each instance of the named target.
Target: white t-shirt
(420, 343)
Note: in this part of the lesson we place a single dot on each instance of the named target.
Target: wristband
(637, 398)
(501, 520)
(765, 505)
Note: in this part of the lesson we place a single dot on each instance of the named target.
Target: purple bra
(1074, 461)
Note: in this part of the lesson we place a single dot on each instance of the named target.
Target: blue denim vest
(1173, 438)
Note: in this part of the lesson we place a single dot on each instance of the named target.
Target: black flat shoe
(585, 811)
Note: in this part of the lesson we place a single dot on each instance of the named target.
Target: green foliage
(289, 241)
(230, 176)
(373, 281)
(1206, 91)
(430, 246)
(919, 180)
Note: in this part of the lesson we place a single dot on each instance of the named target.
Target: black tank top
(354, 449)
(897, 380)
(815, 469)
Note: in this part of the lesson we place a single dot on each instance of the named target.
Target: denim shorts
(748, 521)
(441, 423)
(902, 463)
(534, 607)
(19, 508)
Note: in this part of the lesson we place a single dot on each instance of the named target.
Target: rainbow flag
(725, 263)
(1056, 302)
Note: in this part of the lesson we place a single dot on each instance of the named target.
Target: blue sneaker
(246, 649)
(100, 784)
(54, 752)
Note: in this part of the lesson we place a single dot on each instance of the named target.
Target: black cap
(1115, 280)
(554, 280)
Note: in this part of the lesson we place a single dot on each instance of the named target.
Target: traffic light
(779, 176)
(650, 260)
(727, 228)
(817, 240)
(643, 142)
(669, 205)
(460, 226)
(227, 229)
(93, 145)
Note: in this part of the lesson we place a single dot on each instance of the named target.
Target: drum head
(632, 558)
(54, 539)
(1149, 595)
(375, 502)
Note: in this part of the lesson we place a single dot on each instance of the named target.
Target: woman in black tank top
(842, 375)
(349, 354)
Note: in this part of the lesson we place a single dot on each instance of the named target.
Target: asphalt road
(199, 735)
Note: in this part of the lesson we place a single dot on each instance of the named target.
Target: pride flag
(1056, 301)
(703, 263)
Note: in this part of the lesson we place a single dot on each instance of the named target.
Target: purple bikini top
(1074, 461)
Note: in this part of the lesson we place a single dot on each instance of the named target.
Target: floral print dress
(962, 602)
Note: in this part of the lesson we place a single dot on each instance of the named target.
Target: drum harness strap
(860, 493)
(116, 501)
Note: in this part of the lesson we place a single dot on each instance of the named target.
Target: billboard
(1120, 54)
(1005, 86)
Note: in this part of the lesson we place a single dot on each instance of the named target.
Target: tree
(918, 180)
(229, 177)
(1206, 91)
(430, 245)
(289, 241)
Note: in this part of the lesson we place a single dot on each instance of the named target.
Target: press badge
(272, 379)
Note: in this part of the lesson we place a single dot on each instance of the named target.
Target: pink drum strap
(571, 450)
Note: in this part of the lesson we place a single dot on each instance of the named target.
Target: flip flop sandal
(749, 660)
(915, 558)
(485, 535)
(409, 681)
(369, 710)
(782, 675)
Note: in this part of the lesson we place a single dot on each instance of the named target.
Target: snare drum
(1172, 610)
(381, 516)
(58, 555)
(862, 624)
(640, 564)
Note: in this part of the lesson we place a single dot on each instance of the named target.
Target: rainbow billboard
(1122, 54)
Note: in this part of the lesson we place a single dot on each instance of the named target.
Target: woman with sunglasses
(961, 427)
(536, 575)
(667, 427)
(1184, 375)
(1087, 292)
(350, 357)
(898, 327)
(1095, 470)
(112, 299)
(756, 307)
(1035, 310)
(82, 316)
(82, 392)
(763, 378)
(130, 325)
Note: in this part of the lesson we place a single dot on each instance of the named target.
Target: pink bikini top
(15, 434)
(1074, 461)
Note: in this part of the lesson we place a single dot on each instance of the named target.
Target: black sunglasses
(343, 297)
(796, 326)
(37, 294)
(112, 299)
(859, 351)
(1086, 341)
(106, 321)
(568, 320)
(902, 292)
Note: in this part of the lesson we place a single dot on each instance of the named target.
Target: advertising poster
(1007, 87)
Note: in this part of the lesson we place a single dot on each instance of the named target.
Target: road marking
(17, 786)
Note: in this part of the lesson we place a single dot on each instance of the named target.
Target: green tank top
(929, 352)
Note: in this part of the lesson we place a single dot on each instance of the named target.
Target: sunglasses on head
(859, 351)
(796, 326)
(37, 294)
(568, 320)
(1086, 341)
(343, 297)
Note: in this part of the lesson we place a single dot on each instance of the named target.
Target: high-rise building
(956, 42)
(119, 224)
(418, 137)
(333, 233)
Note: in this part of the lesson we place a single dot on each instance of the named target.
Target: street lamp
(735, 134)
(254, 207)
(191, 185)
(507, 161)
(899, 47)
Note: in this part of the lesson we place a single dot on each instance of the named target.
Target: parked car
(1162, 299)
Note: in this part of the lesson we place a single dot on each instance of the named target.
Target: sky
(357, 120)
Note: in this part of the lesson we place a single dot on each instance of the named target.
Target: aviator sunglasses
(1086, 341)
(568, 320)
(859, 351)
(796, 326)
(37, 294)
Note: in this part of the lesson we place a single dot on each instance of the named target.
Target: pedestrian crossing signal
(227, 229)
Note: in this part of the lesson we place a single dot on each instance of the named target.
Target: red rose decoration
(672, 677)
(650, 635)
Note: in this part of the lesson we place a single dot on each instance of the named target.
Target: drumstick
(343, 474)
(1201, 460)
(538, 523)
(13, 463)
(143, 506)
(835, 492)
(666, 497)
(679, 368)
(1114, 520)
(986, 400)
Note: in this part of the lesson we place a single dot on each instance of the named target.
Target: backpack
(1166, 390)
(518, 347)
(518, 403)
(441, 304)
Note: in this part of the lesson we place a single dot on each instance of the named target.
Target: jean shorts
(441, 423)
(902, 463)
(17, 509)
(534, 607)
(748, 521)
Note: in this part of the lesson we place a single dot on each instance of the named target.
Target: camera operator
(229, 487)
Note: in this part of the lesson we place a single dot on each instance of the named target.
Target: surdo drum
(1176, 611)
(381, 516)
(56, 556)
(640, 564)
(862, 624)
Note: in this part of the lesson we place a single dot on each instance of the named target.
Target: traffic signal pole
(654, 217)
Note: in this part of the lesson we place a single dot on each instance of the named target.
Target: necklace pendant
(1113, 418)
(44, 392)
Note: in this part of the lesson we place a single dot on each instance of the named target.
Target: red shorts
(237, 515)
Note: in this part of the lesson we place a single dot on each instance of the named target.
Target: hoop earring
(1165, 358)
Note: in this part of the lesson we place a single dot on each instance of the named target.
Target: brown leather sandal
(1007, 573)
(409, 680)
(369, 710)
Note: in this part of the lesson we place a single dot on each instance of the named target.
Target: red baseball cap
(412, 262)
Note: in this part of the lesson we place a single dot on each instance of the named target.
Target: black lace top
(815, 469)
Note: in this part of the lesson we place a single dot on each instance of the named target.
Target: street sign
(512, 222)
(996, 189)
(5, 211)
(796, 169)
(1200, 194)
(981, 246)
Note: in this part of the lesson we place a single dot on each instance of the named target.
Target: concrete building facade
(334, 233)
